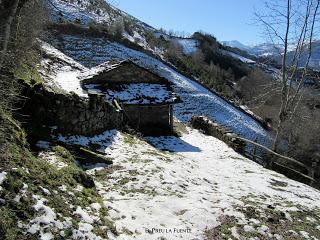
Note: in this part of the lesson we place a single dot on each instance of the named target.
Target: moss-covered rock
(28, 74)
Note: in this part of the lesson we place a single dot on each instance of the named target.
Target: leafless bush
(175, 50)
(20, 49)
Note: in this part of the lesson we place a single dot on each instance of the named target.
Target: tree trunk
(284, 90)
(7, 31)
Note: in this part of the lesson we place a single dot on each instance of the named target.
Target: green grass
(23, 168)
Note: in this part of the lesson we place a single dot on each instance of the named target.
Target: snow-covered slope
(197, 100)
(60, 72)
(189, 45)
(99, 12)
(179, 187)
(239, 57)
(155, 194)
(259, 50)
(236, 44)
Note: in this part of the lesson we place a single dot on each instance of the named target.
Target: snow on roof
(131, 93)
(136, 93)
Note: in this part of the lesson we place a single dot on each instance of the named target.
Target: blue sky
(226, 19)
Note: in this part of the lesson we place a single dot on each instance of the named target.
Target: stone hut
(145, 98)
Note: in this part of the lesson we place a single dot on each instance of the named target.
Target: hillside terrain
(233, 74)
(118, 183)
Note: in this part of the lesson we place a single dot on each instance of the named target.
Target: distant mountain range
(258, 50)
(269, 50)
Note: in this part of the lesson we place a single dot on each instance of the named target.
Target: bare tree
(7, 29)
(290, 26)
(21, 22)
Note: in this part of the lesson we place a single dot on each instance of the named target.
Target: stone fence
(214, 129)
(307, 172)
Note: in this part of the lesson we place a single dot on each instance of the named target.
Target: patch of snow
(311, 219)
(52, 159)
(104, 139)
(79, 188)
(68, 80)
(53, 53)
(96, 206)
(48, 216)
(189, 46)
(95, 167)
(128, 36)
(63, 188)
(160, 34)
(267, 54)
(2, 178)
(235, 233)
(43, 144)
(46, 236)
(60, 71)
(87, 221)
(294, 233)
(304, 234)
(248, 228)
(84, 215)
(22, 193)
(45, 191)
(191, 186)
(140, 40)
(263, 229)
(77, 11)
(278, 236)
(140, 93)
(84, 232)
(46, 222)
(241, 58)
(254, 221)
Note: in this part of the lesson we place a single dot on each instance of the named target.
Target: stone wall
(213, 129)
(72, 114)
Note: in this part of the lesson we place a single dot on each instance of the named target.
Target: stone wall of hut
(72, 114)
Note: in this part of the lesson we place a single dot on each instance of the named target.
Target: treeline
(21, 24)
(209, 64)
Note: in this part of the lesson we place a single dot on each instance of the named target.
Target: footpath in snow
(176, 188)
